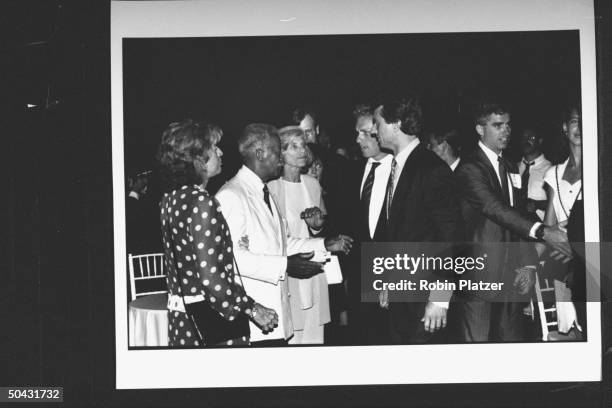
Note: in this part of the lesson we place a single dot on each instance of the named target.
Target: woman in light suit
(300, 202)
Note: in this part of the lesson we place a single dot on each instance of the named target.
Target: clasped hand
(524, 280)
(313, 217)
(340, 243)
(301, 267)
(266, 319)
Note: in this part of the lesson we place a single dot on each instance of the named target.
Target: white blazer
(263, 265)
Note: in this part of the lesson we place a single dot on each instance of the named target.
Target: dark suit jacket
(424, 210)
(425, 207)
(339, 182)
(489, 221)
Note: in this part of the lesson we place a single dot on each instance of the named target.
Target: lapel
(258, 207)
(511, 168)
(283, 232)
(486, 163)
(363, 174)
(404, 185)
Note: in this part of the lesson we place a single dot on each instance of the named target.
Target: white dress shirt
(454, 165)
(535, 189)
(493, 158)
(377, 197)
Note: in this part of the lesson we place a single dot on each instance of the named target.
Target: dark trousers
(481, 320)
(270, 343)
(406, 327)
(370, 325)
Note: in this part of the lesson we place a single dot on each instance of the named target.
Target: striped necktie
(525, 179)
(389, 193)
(503, 175)
(366, 193)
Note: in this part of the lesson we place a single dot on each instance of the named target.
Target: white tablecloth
(148, 321)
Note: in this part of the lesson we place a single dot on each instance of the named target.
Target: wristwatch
(539, 232)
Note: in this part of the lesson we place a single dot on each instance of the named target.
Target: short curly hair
(486, 108)
(181, 144)
(255, 135)
(408, 111)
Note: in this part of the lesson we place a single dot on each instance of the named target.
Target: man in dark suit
(447, 145)
(420, 206)
(368, 319)
(490, 196)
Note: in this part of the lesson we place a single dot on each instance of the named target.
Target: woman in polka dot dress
(197, 241)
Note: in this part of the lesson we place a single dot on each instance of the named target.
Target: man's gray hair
(254, 136)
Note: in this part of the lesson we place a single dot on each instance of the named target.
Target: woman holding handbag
(207, 304)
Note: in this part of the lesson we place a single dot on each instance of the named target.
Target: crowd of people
(246, 266)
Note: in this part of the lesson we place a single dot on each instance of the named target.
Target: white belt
(177, 303)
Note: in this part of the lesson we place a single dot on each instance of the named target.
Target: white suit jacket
(263, 265)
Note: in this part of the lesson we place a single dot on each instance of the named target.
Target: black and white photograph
(321, 94)
(324, 203)
(257, 169)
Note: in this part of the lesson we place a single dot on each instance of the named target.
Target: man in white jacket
(271, 255)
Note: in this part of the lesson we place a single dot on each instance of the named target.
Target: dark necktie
(366, 193)
(503, 175)
(267, 198)
(389, 192)
(525, 179)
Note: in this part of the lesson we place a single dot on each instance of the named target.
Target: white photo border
(414, 364)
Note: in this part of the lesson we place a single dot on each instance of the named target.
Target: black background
(57, 300)
(239, 80)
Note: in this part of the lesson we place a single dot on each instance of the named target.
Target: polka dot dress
(199, 261)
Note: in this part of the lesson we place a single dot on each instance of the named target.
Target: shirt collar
(384, 160)
(537, 160)
(491, 155)
(454, 164)
(402, 156)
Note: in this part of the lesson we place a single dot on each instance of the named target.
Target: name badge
(516, 180)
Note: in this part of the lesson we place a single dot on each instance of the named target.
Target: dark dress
(200, 263)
